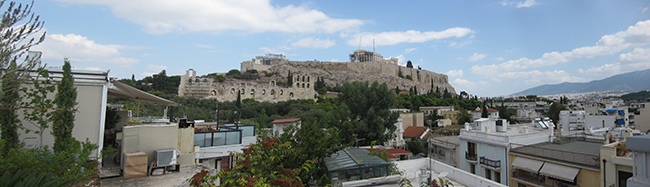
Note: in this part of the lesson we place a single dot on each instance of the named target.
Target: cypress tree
(9, 98)
(63, 117)
(238, 104)
(484, 113)
(290, 79)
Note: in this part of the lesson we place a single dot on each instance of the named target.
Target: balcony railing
(491, 163)
(469, 156)
(578, 158)
(529, 177)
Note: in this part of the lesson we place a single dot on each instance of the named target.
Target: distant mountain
(626, 82)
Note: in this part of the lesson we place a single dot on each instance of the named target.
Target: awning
(610, 110)
(560, 172)
(621, 112)
(620, 121)
(125, 91)
(525, 164)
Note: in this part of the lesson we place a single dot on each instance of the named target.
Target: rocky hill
(337, 73)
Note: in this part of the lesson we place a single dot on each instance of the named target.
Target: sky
(487, 48)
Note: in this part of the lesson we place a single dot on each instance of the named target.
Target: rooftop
(582, 152)
(488, 109)
(414, 132)
(449, 139)
(286, 120)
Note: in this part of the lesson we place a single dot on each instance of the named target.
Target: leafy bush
(26, 177)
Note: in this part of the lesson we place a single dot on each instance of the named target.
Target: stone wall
(260, 90)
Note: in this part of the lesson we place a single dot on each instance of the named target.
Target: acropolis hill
(363, 66)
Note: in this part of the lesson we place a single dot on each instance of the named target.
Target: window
(497, 177)
(472, 169)
(488, 174)
(471, 148)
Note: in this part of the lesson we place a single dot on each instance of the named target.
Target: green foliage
(9, 101)
(314, 141)
(37, 105)
(363, 112)
(383, 154)
(290, 79)
(111, 118)
(63, 117)
(463, 116)
(554, 111)
(67, 165)
(409, 64)
(484, 111)
(400, 74)
(216, 77)
(642, 95)
(409, 77)
(262, 165)
(156, 93)
(416, 146)
(28, 178)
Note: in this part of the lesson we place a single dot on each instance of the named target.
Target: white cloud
(462, 83)
(537, 77)
(410, 36)
(452, 44)
(636, 35)
(277, 50)
(455, 73)
(335, 60)
(638, 59)
(205, 46)
(157, 68)
(315, 43)
(527, 3)
(499, 59)
(164, 16)
(82, 50)
(408, 50)
(644, 9)
(476, 57)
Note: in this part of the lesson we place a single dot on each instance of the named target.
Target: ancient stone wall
(207, 88)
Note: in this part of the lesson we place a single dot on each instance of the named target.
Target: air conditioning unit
(166, 157)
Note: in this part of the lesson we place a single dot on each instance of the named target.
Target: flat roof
(583, 147)
(450, 139)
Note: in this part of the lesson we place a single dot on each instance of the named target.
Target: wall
(147, 138)
(596, 121)
(613, 165)
(453, 173)
(87, 118)
(642, 121)
(412, 119)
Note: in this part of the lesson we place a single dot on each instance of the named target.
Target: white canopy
(525, 164)
(125, 91)
(559, 171)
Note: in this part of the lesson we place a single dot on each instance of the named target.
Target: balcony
(492, 163)
(470, 157)
(527, 177)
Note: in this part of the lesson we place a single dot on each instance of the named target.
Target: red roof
(285, 120)
(489, 110)
(414, 132)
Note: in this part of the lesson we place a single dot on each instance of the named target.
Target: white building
(641, 167)
(486, 143)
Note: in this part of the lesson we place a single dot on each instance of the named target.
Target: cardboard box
(135, 171)
(135, 159)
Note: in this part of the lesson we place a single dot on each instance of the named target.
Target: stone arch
(303, 78)
(252, 91)
(307, 85)
(281, 92)
(205, 80)
(263, 91)
(308, 78)
(315, 96)
(303, 85)
(188, 72)
(298, 85)
(213, 92)
(298, 79)
(290, 94)
(189, 81)
(243, 91)
(232, 90)
(272, 91)
(272, 83)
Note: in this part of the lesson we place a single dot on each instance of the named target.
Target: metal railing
(491, 163)
(469, 156)
(578, 158)
(530, 178)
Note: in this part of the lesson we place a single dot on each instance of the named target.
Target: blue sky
(488, 48)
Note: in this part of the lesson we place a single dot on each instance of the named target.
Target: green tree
(369, 109)
(409, 64)
(484, 111)
(238, 104)
(554, 111)
(38, 105)
(290, 79)
(19, 28)
(261, 165)
(63, 117)
(463, 116)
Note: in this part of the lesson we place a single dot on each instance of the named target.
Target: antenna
(361, 37)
